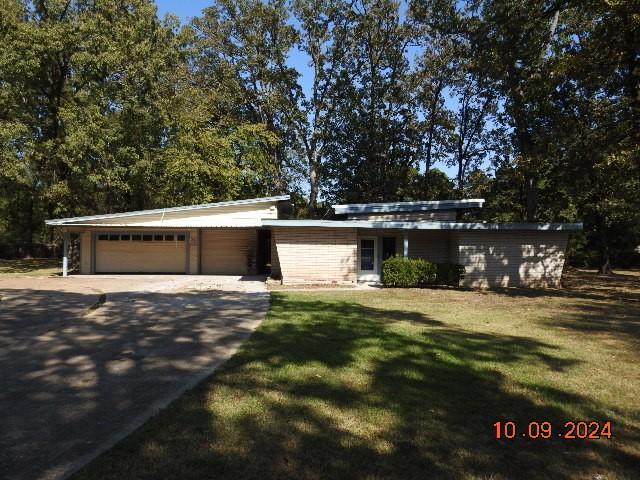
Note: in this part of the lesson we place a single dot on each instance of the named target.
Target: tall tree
(374, 142)
(514, 42)
(324, 33)
(251, 40)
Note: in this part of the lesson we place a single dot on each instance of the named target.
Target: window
(114, 237)
(181, 238)
(168, 238)
(367, 254)
(125, 237)
(147, 238)
(158, 238)
(136, 237)
(103, 237)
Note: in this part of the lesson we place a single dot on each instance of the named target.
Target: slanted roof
(408, 206)
(98, 219)
(421, 225)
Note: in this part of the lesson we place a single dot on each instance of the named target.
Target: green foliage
(449, 274)
(407, 272)
(105, 107)
(416, 272)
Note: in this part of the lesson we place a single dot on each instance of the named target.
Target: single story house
(255, 236)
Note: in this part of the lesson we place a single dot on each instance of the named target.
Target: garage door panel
(131, 256)
(228, 251)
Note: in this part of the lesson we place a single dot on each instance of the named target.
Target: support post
(405, 245)
(65, 255)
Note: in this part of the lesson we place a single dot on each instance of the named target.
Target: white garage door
(228, 251)
(141, 252)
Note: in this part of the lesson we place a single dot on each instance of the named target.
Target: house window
(147, 238)
(158, 238)
(125, 237)
(180, 238)
(367, 254)
(168, 238)
(136, 237)
(103, 237)
(114, 237)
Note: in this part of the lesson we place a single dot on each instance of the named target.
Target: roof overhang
(389, 207)
(88, 220)
(422, 225)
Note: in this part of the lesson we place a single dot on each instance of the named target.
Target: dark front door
(263, 254)
(388, 247)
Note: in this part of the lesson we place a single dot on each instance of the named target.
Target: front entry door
(368, 259)
(388, 247)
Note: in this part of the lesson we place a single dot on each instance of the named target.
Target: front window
(367, 254)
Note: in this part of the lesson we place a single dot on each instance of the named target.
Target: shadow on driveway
(75, 381)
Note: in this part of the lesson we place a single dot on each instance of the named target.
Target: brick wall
(322, 255)
(512, 258)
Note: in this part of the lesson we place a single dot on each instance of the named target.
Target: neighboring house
(251, 236)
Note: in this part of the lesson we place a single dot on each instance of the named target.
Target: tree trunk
(605, 263)
(531, 194)
(313, 184)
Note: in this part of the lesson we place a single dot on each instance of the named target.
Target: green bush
(407, 272)
(416, 272)
(449, 274)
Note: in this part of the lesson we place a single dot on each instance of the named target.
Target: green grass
(30, 267)
(407, 384)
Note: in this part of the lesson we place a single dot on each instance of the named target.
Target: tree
(514, 42)
(249, 41)
(597, 124)
(323, 33)
(374, 142)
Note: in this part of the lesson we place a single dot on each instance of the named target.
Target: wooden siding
(433, 246)
(512, 258)
(85, 251)
(316, 255)
(228, 251)
(436, 215)
(231, 216)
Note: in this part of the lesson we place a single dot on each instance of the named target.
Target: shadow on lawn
(353, 393)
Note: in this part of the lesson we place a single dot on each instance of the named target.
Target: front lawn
(30, 267)
(408, 384)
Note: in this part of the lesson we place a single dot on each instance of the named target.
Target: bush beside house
(417, 272)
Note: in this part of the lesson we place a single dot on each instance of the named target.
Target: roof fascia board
(408, 206)
(423, 225)
(250, 201)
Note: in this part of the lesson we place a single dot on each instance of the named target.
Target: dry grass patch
(30, 267)
(407, 384)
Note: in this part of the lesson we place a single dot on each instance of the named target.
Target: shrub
(407, 272)
(449, 274)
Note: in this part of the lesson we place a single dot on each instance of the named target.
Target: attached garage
(228, 251)
(141, 252)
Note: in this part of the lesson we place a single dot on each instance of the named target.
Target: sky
(187, 9)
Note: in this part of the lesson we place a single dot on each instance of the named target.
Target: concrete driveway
(78, 375)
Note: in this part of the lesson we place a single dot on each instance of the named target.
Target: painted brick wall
(512, 258)
(309, 255)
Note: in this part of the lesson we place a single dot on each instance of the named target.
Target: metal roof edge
(387, 207)
(422, 225)
(248, 201)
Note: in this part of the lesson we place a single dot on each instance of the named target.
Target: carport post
(405, 245)
(65, 255)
